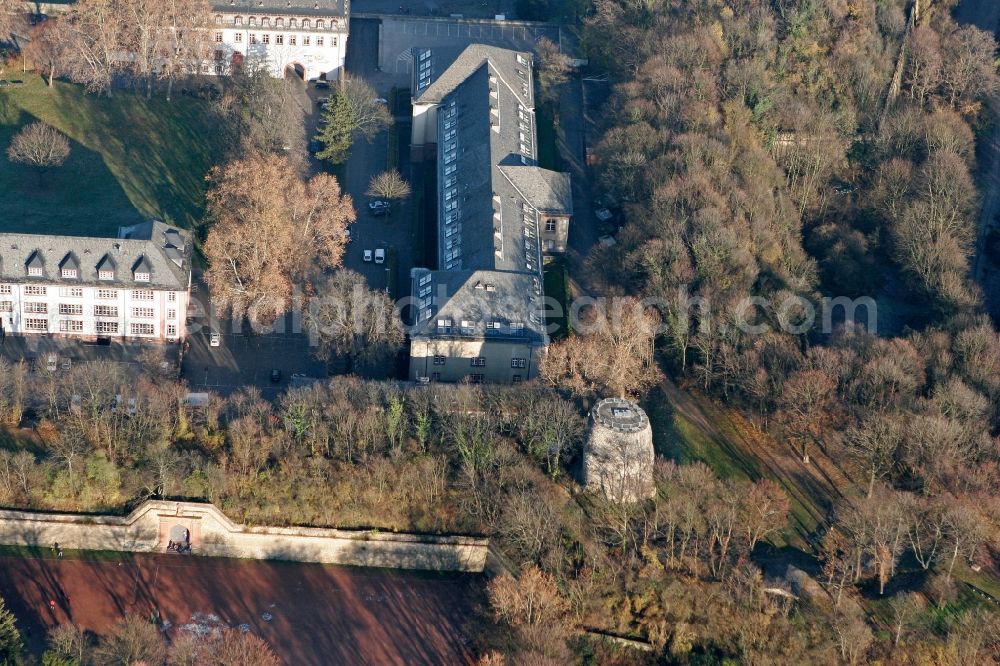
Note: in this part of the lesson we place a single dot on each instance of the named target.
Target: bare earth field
(309, 614)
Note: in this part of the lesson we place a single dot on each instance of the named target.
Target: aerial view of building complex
(515, 332)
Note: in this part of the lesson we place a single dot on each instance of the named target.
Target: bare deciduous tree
(270, 231)
(388, 185)
(370, 115)
(40, 146)
(613, 354)
(345, 317)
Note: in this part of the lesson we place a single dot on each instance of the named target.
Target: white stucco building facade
(307, 38)
(136, 286)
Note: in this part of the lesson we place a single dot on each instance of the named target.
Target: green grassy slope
(131, 159)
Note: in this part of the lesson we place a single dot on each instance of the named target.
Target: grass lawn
(690, 427)
(548, 150)
(131, 159)
(557, 288)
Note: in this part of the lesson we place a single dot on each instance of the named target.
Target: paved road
(985, 14)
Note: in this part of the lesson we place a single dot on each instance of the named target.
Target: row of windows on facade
(32, 307)
(73, 274)
(279, 22)
(468, 327)
(100, 327)
(279, 40)
(474, 378)
(78, 292)
(480, 361)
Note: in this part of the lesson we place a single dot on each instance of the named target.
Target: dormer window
(105, 275)
(305, 24)
(320, 25)
(69, 273)
(238, 20)
(35, 265)
(293, 23)
(253, 20)
(142, 270)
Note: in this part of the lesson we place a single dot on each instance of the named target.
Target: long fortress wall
(148, 529)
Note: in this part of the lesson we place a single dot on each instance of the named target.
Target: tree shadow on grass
(80, 198)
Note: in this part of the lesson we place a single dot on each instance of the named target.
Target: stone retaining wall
(147, 529)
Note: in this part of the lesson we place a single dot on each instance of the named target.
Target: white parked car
(368, 255)
(380, 256)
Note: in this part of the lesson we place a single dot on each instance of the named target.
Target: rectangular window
(517, 379)
(266, 39)
(519, 363)
(105, 311)
(333, 41)
(36, 308)
(142, 295)
(32, 290)
(479, 362)
(171, 297)
(305, 40)
(435, 376)
(105, 275)
(36, 324)
(476, 379)
(439, 360)
(319, 41)
(238, 38)
(71, 292)
(171, 330)
(279, 40)
(143, 313)
(71, 326)
(69, 273)
(35, 271)
(266, 22)
(142, 329)
(106, 327)
(550, 225)
(292, 39)
(293, 22)
(218, 38)
(71, 308)
(279, 23)
(142, 277)
(6, 306)
(253, 38)
(171, 314)
(5, 289)
(107, 294)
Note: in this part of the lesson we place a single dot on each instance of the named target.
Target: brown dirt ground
(319, 614)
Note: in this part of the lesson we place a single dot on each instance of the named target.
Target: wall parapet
(148, 528)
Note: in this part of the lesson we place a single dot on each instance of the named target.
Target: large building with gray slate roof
(480, 315)
(135, 286)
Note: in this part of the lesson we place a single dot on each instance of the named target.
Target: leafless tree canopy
(388, 185)
(271, 231)
(370, 116)
(39, 145)
(348, 318)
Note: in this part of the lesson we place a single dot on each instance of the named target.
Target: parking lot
(244, 359)
(400, 34)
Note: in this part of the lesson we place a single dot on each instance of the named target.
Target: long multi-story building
(480, 316)
(135, 286)
(304, 38)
